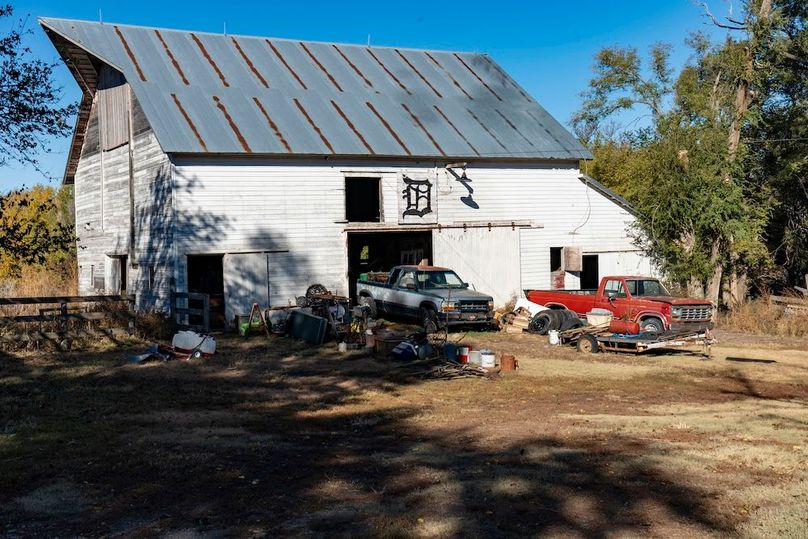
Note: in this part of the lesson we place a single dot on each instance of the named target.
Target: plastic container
(343, 347)
(451, 351)
(370, 339)
(599, 317)
(488, 359)
(463, 354)
(553, 335)
(475, 357)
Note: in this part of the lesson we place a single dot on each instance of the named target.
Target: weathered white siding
(295, 211)
(103, 215)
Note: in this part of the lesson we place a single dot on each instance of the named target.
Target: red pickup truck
(640, 299)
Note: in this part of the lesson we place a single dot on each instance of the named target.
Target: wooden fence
(66, 318)
(187, 317)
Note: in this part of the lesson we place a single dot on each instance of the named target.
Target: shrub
(762, 317)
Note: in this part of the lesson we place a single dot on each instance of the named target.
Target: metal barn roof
(223, 94)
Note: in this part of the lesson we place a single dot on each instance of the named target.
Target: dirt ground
(274, 438)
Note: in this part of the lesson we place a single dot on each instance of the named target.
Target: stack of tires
(554, 319)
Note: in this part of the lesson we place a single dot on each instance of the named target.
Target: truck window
(616, 286)
(407, 278)
(646, 287)
(393, 279)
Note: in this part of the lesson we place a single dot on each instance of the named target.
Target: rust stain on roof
(477, 76)
(232, 124)
(424, 129)
(456, 130)
(437, 93)
(353, 66)
(353, 127)
(493, 136)
(130, 53)
(313, 125)
(171, 57)
(190, 123)
(389, 73)
(272, 125)
(387, 126)
(249, 63)
(321, 66)
(510, 123)
(454, 81)
(286, 64)
(210, 60)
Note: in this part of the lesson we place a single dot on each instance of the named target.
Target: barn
(248, 168)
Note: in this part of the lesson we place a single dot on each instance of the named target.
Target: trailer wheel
(588, 344)
(370, 304)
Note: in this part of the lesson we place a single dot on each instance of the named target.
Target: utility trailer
(593, 339)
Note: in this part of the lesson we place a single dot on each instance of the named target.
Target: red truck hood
(676, 301)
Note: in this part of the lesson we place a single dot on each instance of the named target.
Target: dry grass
(761, 317)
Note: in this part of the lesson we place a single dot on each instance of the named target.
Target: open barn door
(245, 283)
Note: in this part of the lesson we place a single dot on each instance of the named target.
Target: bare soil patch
(272, 437)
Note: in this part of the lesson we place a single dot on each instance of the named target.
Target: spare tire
(556, 317)
(541, 323)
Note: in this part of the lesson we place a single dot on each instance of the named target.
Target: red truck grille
(700, 312)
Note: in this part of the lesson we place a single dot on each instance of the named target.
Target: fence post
(206, 312)
(63, 321)
(132, 316)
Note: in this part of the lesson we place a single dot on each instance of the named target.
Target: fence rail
(63, 314)
(187, 314)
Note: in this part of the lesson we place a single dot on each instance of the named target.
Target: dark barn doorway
(206, 276)
(590, 276)
(380, 251)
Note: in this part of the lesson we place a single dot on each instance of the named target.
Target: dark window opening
(555, 258)
(362, 200)
(123, 266)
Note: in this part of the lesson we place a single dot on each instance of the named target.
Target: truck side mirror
(611, 295)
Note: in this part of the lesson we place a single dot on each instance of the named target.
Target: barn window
(362, 200)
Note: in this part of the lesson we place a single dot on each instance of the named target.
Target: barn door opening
(590, 274)
(380, 251)
(205, 275)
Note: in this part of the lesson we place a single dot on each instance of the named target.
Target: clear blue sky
(546, 46)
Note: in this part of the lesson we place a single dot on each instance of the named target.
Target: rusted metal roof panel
(222, 94)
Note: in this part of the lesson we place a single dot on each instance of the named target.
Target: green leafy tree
(31, 113)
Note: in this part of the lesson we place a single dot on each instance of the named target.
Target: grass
(278, 438)
(761, 317)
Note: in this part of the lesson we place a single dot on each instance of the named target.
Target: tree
(30, 112)
(704, 174)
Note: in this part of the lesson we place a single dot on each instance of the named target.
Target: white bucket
(370, 339)
(553, 334)
(475, 357)
(488, 359)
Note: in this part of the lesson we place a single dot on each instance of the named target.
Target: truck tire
(430, 318)
(370, 304)
(652, 325)
(556, 318)
(540, 324)
(570, 323)
(588, 344)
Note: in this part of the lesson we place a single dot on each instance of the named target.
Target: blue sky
(546, 46)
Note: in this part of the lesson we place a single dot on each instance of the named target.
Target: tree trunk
(714, 284)
(738, 288)
(695, 288)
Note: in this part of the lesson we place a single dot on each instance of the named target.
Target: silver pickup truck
(436, 296)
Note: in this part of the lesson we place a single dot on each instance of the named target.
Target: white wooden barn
(249, 168)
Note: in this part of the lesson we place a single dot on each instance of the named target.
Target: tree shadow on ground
(284, 440)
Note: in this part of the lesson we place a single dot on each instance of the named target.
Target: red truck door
(620, 302)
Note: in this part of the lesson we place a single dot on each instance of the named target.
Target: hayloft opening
(362, 200)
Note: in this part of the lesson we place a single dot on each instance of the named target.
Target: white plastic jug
(553, 334)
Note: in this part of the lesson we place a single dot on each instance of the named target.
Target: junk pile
(185, 345)
(518, 320)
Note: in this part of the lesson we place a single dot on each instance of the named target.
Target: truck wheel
(540, 323)
(652, 325)
(370, 304)
(588, 344)
(430, 318)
